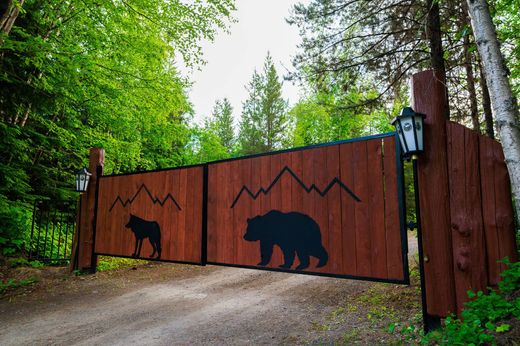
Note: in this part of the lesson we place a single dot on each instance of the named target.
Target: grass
(107, 263)
(13, 284)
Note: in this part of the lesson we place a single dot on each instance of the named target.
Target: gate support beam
(429, 97)
(83, 257)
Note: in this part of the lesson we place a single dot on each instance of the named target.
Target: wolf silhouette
(295, 233)
(145, 229)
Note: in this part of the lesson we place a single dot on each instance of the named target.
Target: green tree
(264, 118)
(221, 123)
(77, 74)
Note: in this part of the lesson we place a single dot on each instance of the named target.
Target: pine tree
(221, 123)
(264, 113)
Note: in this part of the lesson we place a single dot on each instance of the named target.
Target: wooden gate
(337, 205)
(334, 209)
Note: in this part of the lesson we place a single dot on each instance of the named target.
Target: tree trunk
(470, 78)
(503, 103)
(433, 31)
(9, 13)
(486, 104)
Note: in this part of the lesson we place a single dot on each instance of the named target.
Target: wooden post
(429, 97)
(85, 230)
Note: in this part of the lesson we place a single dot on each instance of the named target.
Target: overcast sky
(233, 57)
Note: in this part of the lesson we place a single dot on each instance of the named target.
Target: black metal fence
(52, 232)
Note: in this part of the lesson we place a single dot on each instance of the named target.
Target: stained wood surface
(429, 98)
(150, 196)
(497, 208)
(363, 238)
(467, 226)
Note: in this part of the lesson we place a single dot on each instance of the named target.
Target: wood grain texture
(467, 226)
(355, 234)
(181, 229)
(497, 210)
(429, 98)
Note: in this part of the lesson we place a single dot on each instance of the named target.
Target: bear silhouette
(295, 233)
(145, 229)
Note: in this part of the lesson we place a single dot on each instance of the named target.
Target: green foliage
(264, 119)
(20, 261)
(13, 284)
(483, 316)
(82, 74)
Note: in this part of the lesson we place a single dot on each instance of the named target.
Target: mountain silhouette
(307, 189)
(155, 199)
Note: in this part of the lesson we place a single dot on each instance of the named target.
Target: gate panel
(163, 208)
(330, 210)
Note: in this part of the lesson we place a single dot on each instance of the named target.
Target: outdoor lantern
(409, 127)
(82, 178)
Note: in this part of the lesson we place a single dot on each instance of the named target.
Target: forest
(82, 74)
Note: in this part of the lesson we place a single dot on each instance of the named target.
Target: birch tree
(503, 102)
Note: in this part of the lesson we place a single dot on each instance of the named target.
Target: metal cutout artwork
(155, 199)
(145, 229)
(295, 233)
(307, 189)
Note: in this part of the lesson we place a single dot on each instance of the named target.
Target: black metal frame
(61, 227)
(205, 166)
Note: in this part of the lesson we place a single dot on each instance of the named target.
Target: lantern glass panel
(419, 129)
(408, 133)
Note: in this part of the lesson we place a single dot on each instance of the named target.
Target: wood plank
(377, 208)
(348, 207)
(213, 234)
(504, 209)
(335, 262)
(487, 183)
(394, 258)
(363, 239)
(321, 206)
(466, 219)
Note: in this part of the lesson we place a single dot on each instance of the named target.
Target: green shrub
(484, 315)
(111, 263)
(15, 220)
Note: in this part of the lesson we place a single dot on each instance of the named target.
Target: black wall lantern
(82, 179)
(409, 126)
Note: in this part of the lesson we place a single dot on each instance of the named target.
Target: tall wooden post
(83, 255)
(429, 98)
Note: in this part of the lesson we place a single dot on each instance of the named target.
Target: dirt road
(167, 304)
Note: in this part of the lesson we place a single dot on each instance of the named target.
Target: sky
(232, 58)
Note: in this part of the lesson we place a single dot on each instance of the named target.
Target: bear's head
(132, 221)
(254, 229)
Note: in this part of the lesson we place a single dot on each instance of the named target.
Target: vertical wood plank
(335, 263)
(466, 218)
(363, 239)
(487, 183)
(504, 209)
(392, 223)
(377, 208)
(348, 210)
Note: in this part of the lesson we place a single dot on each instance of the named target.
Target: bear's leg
(288, 258)
(304, 260)
(323, 256)
(266, 252)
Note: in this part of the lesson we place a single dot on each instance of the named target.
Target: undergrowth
(486, 318)
(13, 283)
